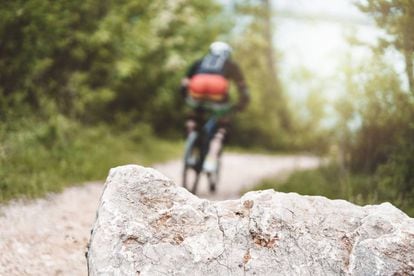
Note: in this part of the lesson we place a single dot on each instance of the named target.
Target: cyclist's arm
(193, 69)
(238, 78)
(186, 80)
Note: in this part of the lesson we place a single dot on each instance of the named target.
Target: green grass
(332, 182)
(261, 150)
(41, 157)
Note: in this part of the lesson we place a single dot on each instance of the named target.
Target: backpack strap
(212, 64)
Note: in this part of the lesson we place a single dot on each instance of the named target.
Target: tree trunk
(269, 38)
(408, 56)
(274, 89)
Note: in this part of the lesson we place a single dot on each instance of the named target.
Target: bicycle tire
(214, 177)
(192, 166)
(190, 179)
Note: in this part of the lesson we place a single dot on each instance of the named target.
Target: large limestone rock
(148, 226)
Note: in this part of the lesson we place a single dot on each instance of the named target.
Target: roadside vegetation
(38, 157)
(373, 160)
(88, 84)
(332, 182)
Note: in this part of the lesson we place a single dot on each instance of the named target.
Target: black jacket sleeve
(237, 76)
(193, 69)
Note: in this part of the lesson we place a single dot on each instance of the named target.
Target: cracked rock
(146, 225)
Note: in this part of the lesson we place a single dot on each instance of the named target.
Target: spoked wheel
(190, 179)
(192, 163)
(213, 177)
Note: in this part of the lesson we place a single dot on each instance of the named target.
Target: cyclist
(207, 80)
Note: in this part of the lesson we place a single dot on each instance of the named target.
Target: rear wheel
(192, 163)
(190, 179)
(213, 177)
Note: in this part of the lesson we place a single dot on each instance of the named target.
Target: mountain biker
(207, 80)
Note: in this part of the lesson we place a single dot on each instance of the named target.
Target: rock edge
(146, 225)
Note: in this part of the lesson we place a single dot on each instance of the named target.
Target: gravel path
(49, 236)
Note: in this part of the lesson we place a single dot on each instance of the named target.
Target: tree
(268, 118)
(376, 132)
(396, 17)
(101, 61)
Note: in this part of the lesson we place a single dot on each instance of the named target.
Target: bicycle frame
(199, 142)
(207, 133)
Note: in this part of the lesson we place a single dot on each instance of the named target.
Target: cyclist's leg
(216, 145)
(193, 121)
(190, 125)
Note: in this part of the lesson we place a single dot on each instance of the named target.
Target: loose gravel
(49, 236)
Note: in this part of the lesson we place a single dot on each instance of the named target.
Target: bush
(333, 182)
(37, 157)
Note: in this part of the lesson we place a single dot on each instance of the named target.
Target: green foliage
(85, 58)
(383, 111)
(37, 157)
(272, 120)
(396, 18)
(47, 52)
(378, 111)
(377, 135)
(308, 130)
(158, 48)
(396, 176)
(268, 118)
(333, 182)
(73, 73)
(375, 130)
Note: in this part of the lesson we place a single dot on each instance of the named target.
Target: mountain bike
(197, 147)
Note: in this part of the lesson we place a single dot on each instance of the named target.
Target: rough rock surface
(148, 226)
(48, 236)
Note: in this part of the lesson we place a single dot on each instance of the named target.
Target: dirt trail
(241, 171)
(49, 236)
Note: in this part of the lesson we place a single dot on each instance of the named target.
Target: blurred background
(88, 85)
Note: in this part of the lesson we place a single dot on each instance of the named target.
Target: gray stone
(146, 225)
